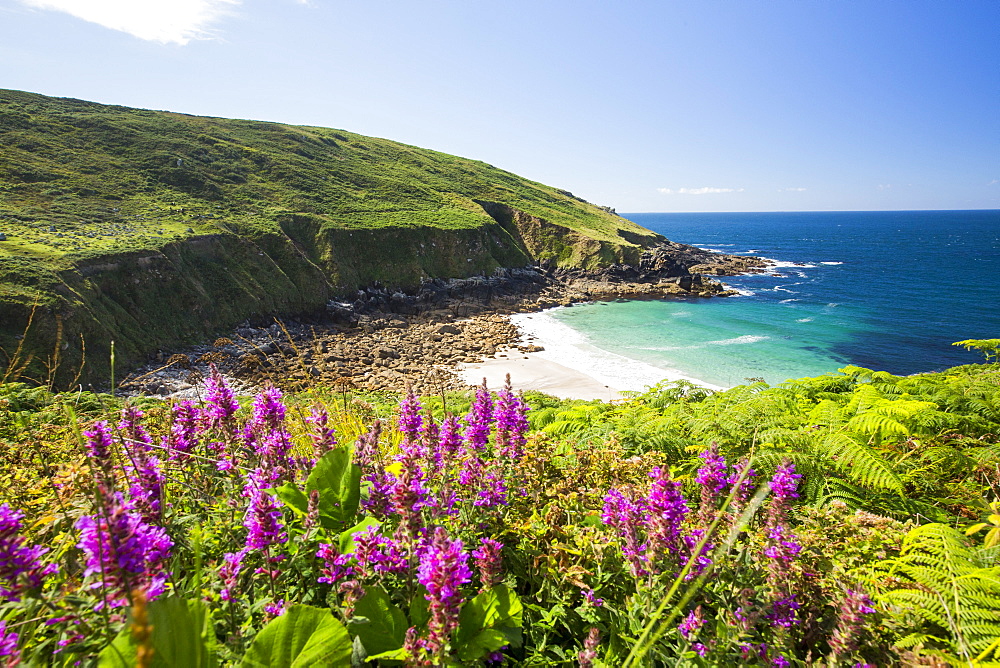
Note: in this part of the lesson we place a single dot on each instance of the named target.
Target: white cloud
(993, 182)
(791, 190)
(698, 191)
(884, 186)
(164, 21)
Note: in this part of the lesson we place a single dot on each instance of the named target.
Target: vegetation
(113, 219)
(841, 520)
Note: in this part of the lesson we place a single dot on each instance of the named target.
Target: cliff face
(156, 230)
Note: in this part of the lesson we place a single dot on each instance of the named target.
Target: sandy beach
(528, 371)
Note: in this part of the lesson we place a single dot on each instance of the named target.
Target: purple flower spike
(219, 399)
(627, 515)
(785, 481)
(21, 567)
(99, 446)
(784, 548)
(691, 623)
(375, 554)
(9, 652)
(512, 423)
(323, 436)
(850, 622)
(779, 661)
(410, 420)
(123, 552)
(263, 516)
(335, 565)
(714, 480)
(183, 437)
(667, 509)
(488, 562)
(784, 612)
(229, 572)
(450, 441)
(477, 432)
(492, 490)
(443, 570)
(589, 652)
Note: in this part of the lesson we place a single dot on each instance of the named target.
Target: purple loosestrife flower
(9, 653)
(275, 608)
(132, 430)
(99, 448)
(378, 503)
(587, 655)
(472, 471)
(714, 479)
(667, 509)
(784, 612)
(375, 554)
(477, 431)
(220, 402)
(229, 572)
(692, 623)
(785, 481)
(323, 436)
(702, 561)
(488, 562)
(263, 516)
(450, 442)
(430, 443)
(183, 436)
(123, 552)
(336, 566)
(409, 497)
(850, 622)
(366, 447)
(512, 423)
(783, 547)
(410, 420)
(443, 570)
(492, 489)
(626, 515)
(591, 597)
(779, 661)
(21, 567)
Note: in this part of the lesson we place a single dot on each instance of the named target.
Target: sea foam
(566, 346)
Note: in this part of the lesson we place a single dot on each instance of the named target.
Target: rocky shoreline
(387, 340)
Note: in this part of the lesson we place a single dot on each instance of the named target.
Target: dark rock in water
(3, 237)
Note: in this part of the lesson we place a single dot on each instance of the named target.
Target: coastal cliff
(156, 230)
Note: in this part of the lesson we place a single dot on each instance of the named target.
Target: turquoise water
(885, 290)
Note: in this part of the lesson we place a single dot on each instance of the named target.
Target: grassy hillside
(156, 228)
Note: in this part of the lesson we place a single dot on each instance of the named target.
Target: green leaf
(303, 636)
(338, 482)
(182, 635)
(379, 623)
(488, 622)
(293, 497)
(347, 544)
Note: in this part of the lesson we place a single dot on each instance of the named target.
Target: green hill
(155, 228)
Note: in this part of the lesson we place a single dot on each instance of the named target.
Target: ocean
(887, 290)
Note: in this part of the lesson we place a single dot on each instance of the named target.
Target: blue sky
(644, 106)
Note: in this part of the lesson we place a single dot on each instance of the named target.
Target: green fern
(952, 600)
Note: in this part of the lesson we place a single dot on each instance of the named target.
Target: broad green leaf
(293, 497)
(338, 482)
(303, 636)
(488, 622)
(378, 622)
(347, 544)
(182, 635)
